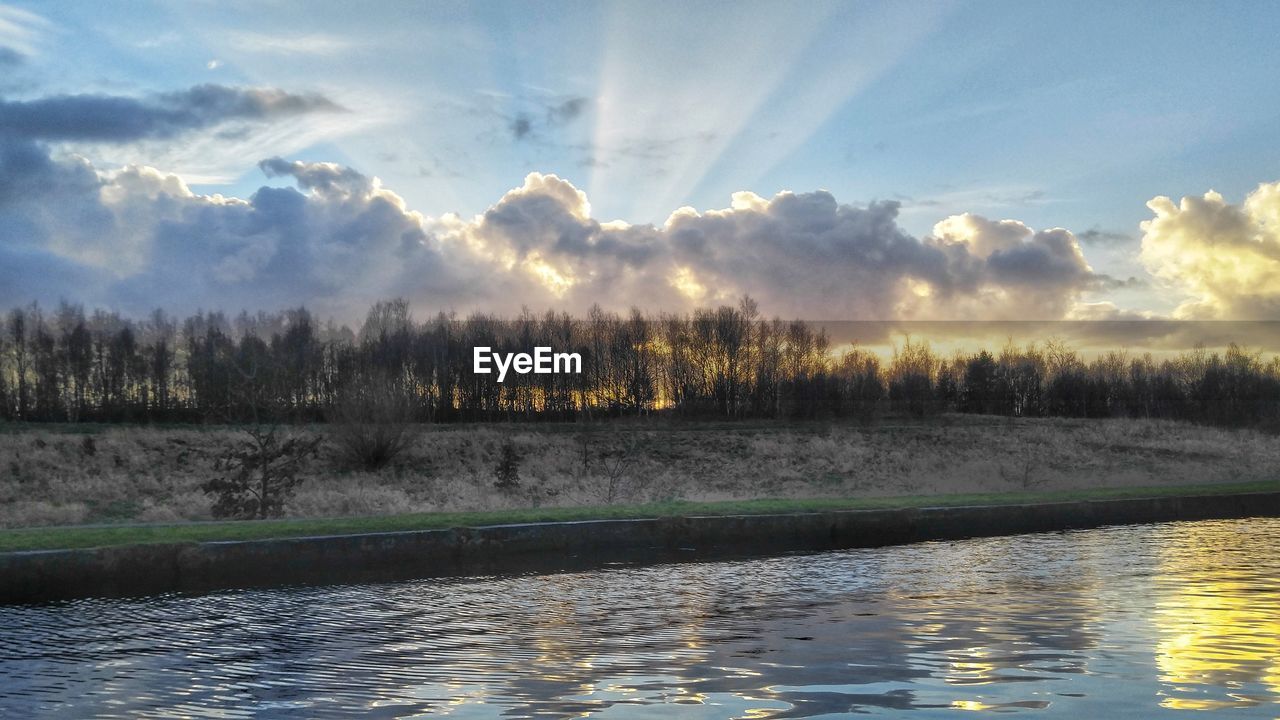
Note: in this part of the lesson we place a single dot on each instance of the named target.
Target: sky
(835, 161)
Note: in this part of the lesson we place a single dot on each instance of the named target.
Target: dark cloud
(566, 112)
(27, 172)
(1107, 282)
(1050, 257)
(28, 274)
(521, 126)
(544, 116)
(317, 176)
(138, 238)
(1104, 238)
(107, 118)
(10, 57)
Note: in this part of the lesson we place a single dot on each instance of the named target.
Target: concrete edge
(135, 570)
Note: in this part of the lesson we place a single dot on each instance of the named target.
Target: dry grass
(52, 476)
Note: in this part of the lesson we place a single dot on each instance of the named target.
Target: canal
(1121, 621)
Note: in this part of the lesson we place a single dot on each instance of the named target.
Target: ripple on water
(1142, 619)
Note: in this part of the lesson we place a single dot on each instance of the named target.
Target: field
(75, 475)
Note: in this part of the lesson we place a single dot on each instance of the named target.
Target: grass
(108, 475)
(66, 537)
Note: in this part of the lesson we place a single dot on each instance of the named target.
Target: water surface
(1138, 621)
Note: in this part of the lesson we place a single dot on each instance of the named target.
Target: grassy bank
(48, 538)
(106, 475)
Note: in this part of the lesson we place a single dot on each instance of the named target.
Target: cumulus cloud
(106, 118)
(1224, 257)
(137, 238)
(325, 177)
(140, 237)
(1012, 270)
(339, 240)
(801, 254)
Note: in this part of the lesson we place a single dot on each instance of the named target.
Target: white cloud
(1224, 258)
(288, 44)
(802, 255)
(21, 29)
(138, 237)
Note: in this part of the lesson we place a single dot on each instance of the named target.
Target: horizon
(1132, 339)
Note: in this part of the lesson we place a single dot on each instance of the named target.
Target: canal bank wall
(136, 570)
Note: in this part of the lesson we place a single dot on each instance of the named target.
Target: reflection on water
(1134, 621)
(1218, 614)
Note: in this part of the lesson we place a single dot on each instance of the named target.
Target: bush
(261, 472)
(371, 425)
(507, 471)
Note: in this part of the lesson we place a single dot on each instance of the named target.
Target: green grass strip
(65, 537)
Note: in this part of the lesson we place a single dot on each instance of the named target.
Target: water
(1135, 621)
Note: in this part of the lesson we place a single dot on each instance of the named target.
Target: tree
(911, 377)
(979, 393)
(18, 339)
(259, 474)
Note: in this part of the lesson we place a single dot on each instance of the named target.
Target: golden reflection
(974, 705)
(974, 670)
(1219, 624)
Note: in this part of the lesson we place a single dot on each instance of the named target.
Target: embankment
(131, 570)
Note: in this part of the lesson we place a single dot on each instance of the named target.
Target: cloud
(567, 111)
(1106, 310)
(1224, 258)
(799, 254)
(325, 177)
(138, 237)
(542, 116)
(21, 29)
(69, 228)
(156, 41)
(342, 245)
(10, 58)
(286, 44)
(105, 118)
(521, 126)
(1104, 238)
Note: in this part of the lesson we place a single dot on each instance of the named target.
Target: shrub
(371, 425)
(507, 471)
(259, 474)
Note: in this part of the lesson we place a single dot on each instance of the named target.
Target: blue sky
(1069, 115)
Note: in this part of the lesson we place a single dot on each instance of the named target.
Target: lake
(1137, 621)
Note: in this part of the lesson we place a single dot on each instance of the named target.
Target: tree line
(726, 362)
